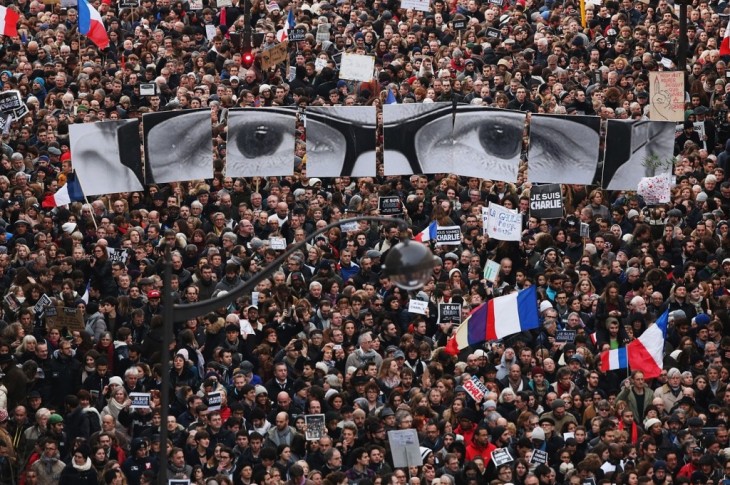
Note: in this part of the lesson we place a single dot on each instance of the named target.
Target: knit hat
(55, 419)
(69, 227)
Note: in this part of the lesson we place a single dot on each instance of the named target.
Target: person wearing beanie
(80, 472)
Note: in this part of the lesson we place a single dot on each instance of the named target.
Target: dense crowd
(329, 333)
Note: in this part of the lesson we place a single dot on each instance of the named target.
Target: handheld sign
(448, 236)
(417, 306)
(503, 224)
(117, 255)
(475, 388)
(566, 336)
(405, 448)
(357, 67)
(215, 399)
(501, 456)
(491, 270)
(140, 400)
(390, 205)
(297, 34)
(449, 313)
(41, 304)
(546, 201)
(59, 317)
(277, 243)
(539, 457)
(493, 33)
(460, 24)
(315, 426)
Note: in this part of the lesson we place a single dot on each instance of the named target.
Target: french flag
(390, 99)
(282, 34)
(725, 44)
(496, 319)
(91, 25)
(427, 234)
(645, 354)
(70, 192)
(8, 22)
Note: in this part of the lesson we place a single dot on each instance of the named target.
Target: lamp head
(409, 264)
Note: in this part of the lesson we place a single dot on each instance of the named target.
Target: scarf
(114, 407)
(82, 468)
(48, 463)
(368, 356)
(634, 431)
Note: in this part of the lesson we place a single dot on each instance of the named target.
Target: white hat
(321, 366)
(651, 422)
(545, 305)
(538, 434)
(69, 227)
(184, 353)
(116, 381)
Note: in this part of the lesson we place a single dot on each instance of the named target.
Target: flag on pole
(497, 318)
(725, 44)
(9, 21)
(427, 234)
(70, 192)
(91, 25)
(645, 354)
(290, 18)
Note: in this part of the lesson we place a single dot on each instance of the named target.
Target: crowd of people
(329, 334)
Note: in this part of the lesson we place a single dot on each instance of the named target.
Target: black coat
(72, 476)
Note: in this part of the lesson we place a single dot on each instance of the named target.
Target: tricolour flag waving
(70, 192)
(9, 21)
(91, 24)
(427, 234)
(497, 318)
(725, 44)
(645, 354)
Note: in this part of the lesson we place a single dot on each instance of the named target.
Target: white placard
(503, 224)
(448, 236)
(350, 226)
(140, 400)
(405, 448)
(255, 298)
(421, 5)
(491, 270)
(357, 67)
(210, 31)
(277, 243)
(417, 306)
(215, 399)
(323, 32)
(320, 64)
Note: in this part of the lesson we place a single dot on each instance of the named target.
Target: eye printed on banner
(417, 138)
(106, 156)
(563, 149)
(341, 141)
(178, 145)
(260, 142)
(488, 142)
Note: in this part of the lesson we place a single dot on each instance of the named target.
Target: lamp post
(408, 263)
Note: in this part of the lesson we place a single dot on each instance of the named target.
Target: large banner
(106, 156)
(563, 149)
(260, 142)
(636, 149)
(417, 138)
(488, 142)
(341, 141)
(178, 146)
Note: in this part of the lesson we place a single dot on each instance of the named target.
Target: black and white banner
(178, 146)
(546, 201)
(636, 149)
(448, 236)
(106, 156)
(341, 141)
(260, 142)
(417, 138)
(563, 149)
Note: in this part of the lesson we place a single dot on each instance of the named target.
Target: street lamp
(408, 264)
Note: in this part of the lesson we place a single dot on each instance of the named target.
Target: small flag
(91, 24)
(290, 18)
(390, 99)
(725, 44)
(85, 298)
(427, 234)
(8, 21)
(645, 354)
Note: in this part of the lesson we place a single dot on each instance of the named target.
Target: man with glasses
(49, 467)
